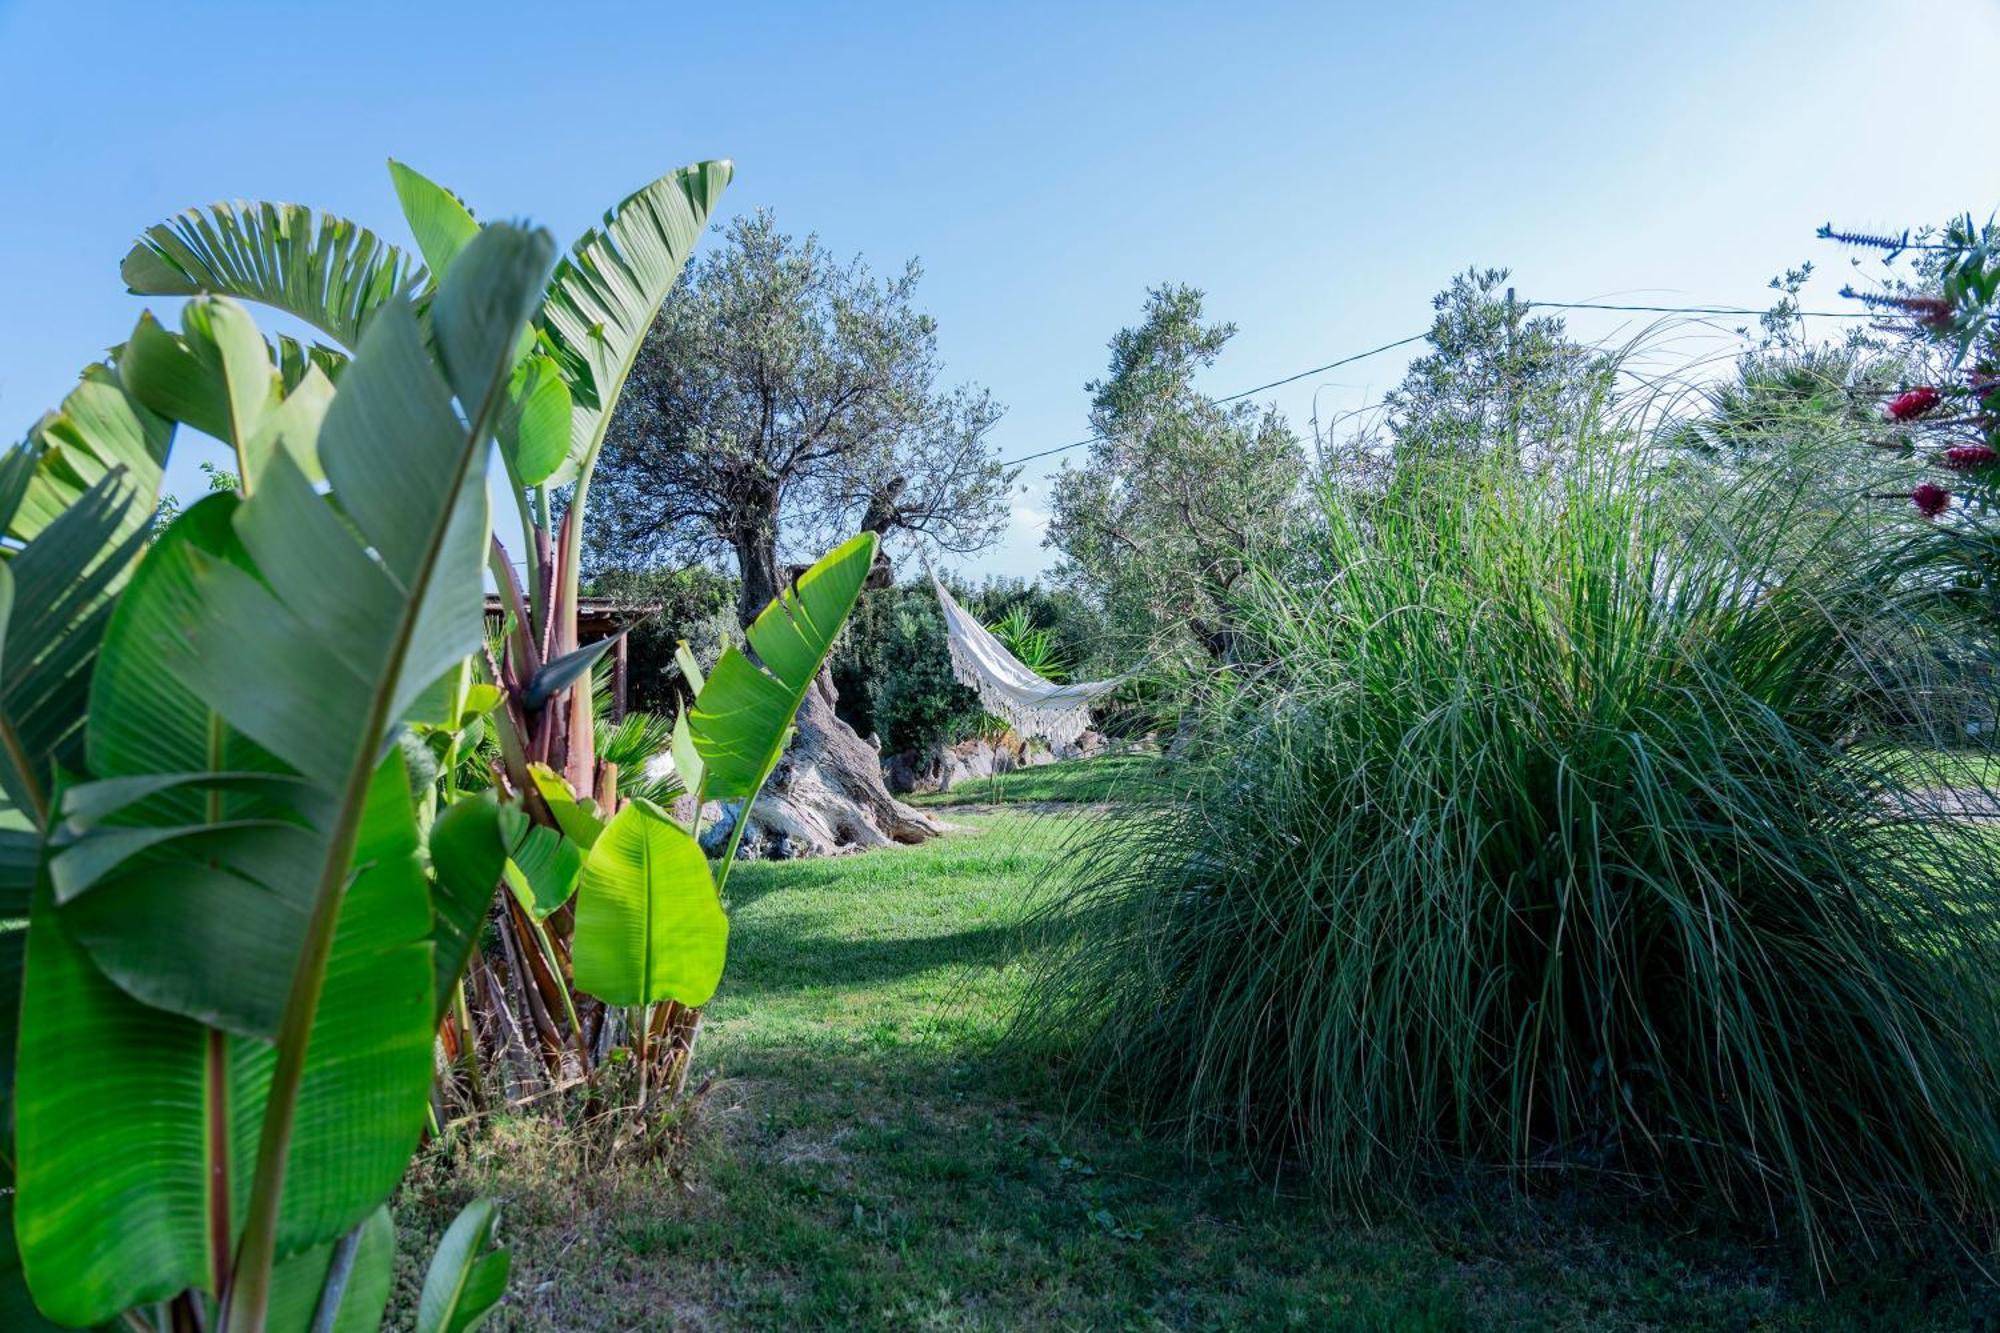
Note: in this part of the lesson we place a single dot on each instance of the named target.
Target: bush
(893, 667)
(1541, 839)
(696, 603)
(893, 672)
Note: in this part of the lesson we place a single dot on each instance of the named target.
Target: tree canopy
(1179, 490)
(1494, 380)
(784, 396)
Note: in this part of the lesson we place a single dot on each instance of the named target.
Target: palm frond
(606, 292)
(332, 273)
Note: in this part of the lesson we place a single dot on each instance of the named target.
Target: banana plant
(562, 389)
(650, 925)
(321, 269)
(231, 911)
(609, 909)
(75, 502)
(594, 316)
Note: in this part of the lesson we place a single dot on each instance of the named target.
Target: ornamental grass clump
(1539, 826)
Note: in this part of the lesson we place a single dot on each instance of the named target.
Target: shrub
(1542, 838)
(893, 669)
(695, 603)
(1942, 295)
(893, 672)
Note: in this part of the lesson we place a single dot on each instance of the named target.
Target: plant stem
(327, 1311)
(642, 1047)
(468, 1042)
(548, 951)
(570, 555)
(17, 755)
(529, 552)
(736, 832)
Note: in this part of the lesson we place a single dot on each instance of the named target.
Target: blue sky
(1319, 169)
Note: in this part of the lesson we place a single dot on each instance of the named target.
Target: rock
(909, 773)
(1085, 745)
(978, 758)
(828, 794)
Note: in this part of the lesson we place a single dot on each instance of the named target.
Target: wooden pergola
(596, 618)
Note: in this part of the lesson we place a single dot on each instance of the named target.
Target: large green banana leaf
(743, 717)
(439, 219)
(534, 435)
(580, 824)
(468, 857)
(649, 925)
(600, 303)
(327, 271)
(53, 607)
(534, 430)
(17, 1308)
(467, 1276)
(99, 429)
(234, 862)
(217, 376)
(101, 1231)
(59, 586)
(310, 650)
(607, 291)
(189, 899)
(76, 498)
(542, 866)
(171, 895)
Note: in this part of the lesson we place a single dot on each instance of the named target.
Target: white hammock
(1031, 705)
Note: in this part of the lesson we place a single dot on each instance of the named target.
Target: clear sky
(1320, 169)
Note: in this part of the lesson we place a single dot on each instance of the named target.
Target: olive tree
(1179, 492)
(784, 396)
(779, 392)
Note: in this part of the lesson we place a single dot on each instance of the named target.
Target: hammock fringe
(1007, 688)
(1059, 725)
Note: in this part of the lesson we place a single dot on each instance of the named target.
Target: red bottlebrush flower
(1931, 499)
(1964, 457)
(1933, 312)
(1913, 403)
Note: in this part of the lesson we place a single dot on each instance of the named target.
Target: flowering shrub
(1913, 403)
(1943, 297)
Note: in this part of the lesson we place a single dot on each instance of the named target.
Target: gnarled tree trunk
(828, 795)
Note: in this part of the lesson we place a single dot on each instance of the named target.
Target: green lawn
(866, 1158)
(1973, 767)
(1106, 778)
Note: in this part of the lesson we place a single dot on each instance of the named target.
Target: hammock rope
(1006, 688)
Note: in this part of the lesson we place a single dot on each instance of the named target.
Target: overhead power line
(1419, 337)
(1694, 309)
